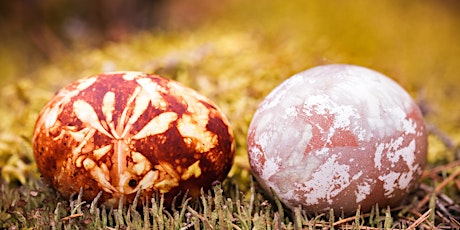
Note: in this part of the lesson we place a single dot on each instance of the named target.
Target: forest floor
(235, 54)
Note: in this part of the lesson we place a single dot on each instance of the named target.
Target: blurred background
(36, 31)
(232, 51)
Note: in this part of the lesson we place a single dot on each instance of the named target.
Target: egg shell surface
(125, 131)
(338, 137)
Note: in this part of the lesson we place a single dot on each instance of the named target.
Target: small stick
(203, 219)
(441, 168)
(352, 218)
(454, 222)
(420, 220)
(444, 218)
(439, 188)
(72, 216)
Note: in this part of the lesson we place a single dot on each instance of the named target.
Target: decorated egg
(122, 132)
(338, 137)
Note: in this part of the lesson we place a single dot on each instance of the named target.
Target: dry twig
(420, 220)
(438, 188)
(71, 216)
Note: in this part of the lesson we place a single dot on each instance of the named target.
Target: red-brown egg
(338, 137)
(124, 131)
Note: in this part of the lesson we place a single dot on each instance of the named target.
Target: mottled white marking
(290, 113)
(343, 115)
(262, 129)
(405, 179)
(387, 97)
(303, 137)
(409, 126)
(390, 182)
(256, 155)
(275, 98)
(321, 151)
(364, 189)
(318, 103)
(394, 151)
(293, 139)
(356, 100)
(271, 166)
(357, 176)
(378, 155)
(360, 133)
(327, 181)
(406, 153)
(291, 176)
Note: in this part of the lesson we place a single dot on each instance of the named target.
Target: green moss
(236, 60)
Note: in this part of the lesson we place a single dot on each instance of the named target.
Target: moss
(235, 60)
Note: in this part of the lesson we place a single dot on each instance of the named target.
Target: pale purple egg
(338, 137)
